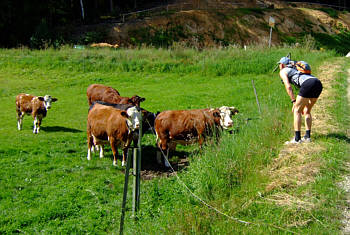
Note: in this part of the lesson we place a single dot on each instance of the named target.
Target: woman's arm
(287, 85)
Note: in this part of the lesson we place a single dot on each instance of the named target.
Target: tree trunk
(82, 9)
(111, 5)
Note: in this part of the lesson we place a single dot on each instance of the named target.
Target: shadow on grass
(337, 136)
(149, 158)
(59, 129)
(150, 168)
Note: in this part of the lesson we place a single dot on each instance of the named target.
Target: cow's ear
(124, 114)
(216, 114)
(41, 98)
(54, 99)
(142, 99)
(234, 110)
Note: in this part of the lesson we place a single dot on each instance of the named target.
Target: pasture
(48, 186)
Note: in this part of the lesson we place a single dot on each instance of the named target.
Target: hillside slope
(240, 26)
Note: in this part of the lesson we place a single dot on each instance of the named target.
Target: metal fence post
(125, 193)
(137, 174)
(256, 97)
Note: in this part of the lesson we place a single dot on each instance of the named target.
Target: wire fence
(339, 7)
(205, 5)
(185, 6)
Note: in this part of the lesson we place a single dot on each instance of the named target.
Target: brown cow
(185, 127)
(107, 124)
(98, 92)
(189, 126)
(36, 106)
(147, 119)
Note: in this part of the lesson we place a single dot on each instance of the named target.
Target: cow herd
(116, 120)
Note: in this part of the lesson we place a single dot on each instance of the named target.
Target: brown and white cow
(190, 126)
(99, 92)
(184, 127)
(36, 106)
(147, 119)
(107, 124)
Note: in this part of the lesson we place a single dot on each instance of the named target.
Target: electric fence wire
(210, 206)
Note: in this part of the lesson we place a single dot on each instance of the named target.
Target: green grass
(48, 186)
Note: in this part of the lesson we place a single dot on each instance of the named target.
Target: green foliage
(330, 11)
(158, 37)
(93, 37)
(45, 37)
(249, 11)
(47, 185)
(338, 42)
(290, 40)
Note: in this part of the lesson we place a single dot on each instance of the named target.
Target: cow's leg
(164, 148)
(38, 125)
(166, 161)
(101, 147)
(172, 146)
(159, 157)
(35, 124)
(200, 138)
(20, 116)
(125, 152)
(94, 145)
(89, 142)
(114, 150)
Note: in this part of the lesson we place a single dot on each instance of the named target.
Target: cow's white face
(225, 120)
(48, 100)
(134, 118)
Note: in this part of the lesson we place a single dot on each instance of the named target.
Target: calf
(107, 124)
(36, 106)
(98, 92)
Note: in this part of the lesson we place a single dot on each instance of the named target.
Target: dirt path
(295, 166)
(345, 184)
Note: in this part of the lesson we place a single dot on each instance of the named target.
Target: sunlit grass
(48, 186)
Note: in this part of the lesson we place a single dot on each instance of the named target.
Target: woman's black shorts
(311, 88)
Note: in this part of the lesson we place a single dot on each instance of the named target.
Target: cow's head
(136, 100)
(234, 111)
(47, 99)
(148, 119)
(225, 113)
(134, 117)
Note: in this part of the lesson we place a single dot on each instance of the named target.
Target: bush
(339, 42)
(45, 37)
(330, 11)
(93, 36)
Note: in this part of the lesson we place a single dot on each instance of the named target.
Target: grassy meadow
(48, 186)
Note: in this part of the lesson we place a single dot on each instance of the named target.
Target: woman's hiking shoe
(293, 141)
(306, 139)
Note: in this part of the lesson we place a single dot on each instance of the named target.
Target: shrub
(330, 11)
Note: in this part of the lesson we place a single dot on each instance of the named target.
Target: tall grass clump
(228, 176)
(215, 62)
